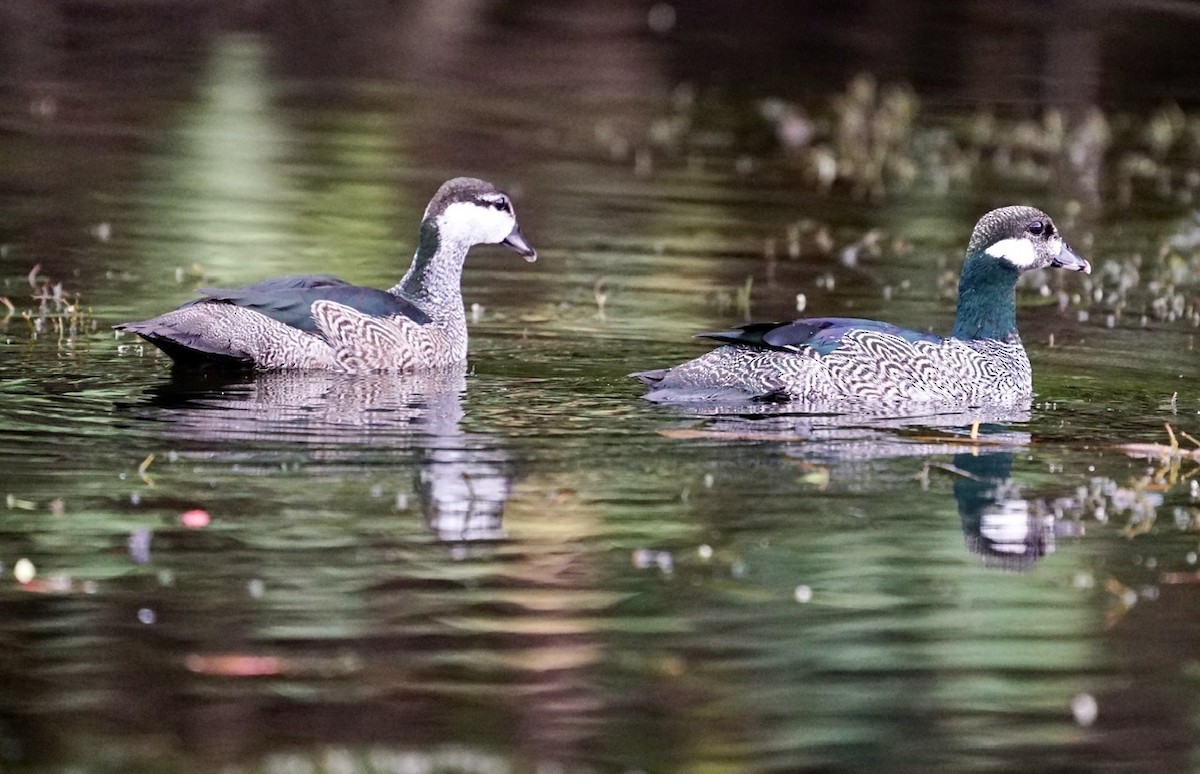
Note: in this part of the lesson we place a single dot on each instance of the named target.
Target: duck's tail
(651, 378)
(186, 349)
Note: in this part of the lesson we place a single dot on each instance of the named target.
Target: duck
(320, 322)
(832, 361)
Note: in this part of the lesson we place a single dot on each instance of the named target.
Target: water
(522, 566)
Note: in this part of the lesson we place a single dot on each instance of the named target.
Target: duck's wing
(819, 334)
(297, 282)
(289, 299)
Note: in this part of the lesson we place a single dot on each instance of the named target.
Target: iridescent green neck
(987, 300)
(434, 281)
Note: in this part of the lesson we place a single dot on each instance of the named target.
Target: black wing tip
(735, 335)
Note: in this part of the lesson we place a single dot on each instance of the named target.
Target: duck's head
(1026, 238)
(475, 212)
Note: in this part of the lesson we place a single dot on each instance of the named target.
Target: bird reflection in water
(462, 481)
(1006, 530)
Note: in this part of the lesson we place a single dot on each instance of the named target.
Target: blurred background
(523, 566)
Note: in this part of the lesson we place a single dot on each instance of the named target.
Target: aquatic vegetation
(1170, 457)
(872, 140)
(1163, 286)
(53, 313)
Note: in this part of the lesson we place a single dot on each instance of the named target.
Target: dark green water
(525, 567)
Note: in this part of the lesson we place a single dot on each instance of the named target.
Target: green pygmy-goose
(838, 360)
(321, 322)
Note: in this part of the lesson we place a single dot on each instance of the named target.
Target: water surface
(520, 565)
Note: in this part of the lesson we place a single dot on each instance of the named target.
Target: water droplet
(24, 571)
(1085, 709)
(146, 615)
(804, 594)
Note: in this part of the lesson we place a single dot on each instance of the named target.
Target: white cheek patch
(476, 223)
(1017, 251)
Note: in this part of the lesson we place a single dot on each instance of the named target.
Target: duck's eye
(502, 205)
(1036, 228)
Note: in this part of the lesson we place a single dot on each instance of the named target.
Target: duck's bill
(1071, 261)
(516, 241)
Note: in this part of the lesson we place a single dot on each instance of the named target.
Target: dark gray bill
(516, 241)
(1070, 261)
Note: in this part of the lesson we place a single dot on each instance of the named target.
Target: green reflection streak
(247, 187)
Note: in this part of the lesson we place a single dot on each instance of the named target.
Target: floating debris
(813, 475)
(234, 665)
(1171, 453)
(1124, 598)
(704, 432)
(15, 503)
(143, 466)
(196, 518)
